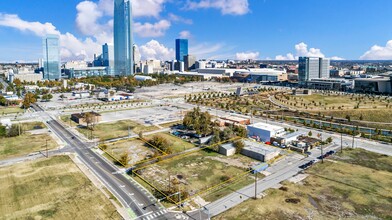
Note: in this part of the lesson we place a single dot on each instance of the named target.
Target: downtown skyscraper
(181, 49)
(51, 61)
(123, 41)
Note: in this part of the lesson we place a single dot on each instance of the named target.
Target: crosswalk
(155, 215)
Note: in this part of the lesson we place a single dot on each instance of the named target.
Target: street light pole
(47, 154)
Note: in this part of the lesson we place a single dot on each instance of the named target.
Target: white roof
(267, 127)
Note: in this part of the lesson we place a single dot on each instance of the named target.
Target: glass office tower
(181, 49)
(51, 61)
(123, 42)
(312, 68)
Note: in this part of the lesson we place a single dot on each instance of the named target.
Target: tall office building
(136, 58)
(108, 55)
(325, 68)
(190, 62)
(313, 68)
(108, 58)
(123, 41)
(181, 49)
(51, 61)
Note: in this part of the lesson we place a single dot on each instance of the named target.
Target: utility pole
(169, 182)
(321, 146)
(47, 154)
(353, 140)
(256, 184)
(341, 138)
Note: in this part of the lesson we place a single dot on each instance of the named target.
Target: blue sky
(217, 29)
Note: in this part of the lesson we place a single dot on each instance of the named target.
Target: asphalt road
(280, 171)
(129, 193)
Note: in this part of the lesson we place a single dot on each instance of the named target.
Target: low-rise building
(374, 85)
(263, 131)
(28, 77)
(329, 84)
(259, 151)
(227, 149)
(80, 118)
(287, 138)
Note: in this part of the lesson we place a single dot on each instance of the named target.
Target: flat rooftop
(264, 126)
(259, 147)
(294, 134)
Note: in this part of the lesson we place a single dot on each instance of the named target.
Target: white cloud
(232, 7)
(154, 50)
(178, 19)
(302, 50)
(185, 34)
(93, 20)
(206, 50)
(37, 28)
(288, 56)
(378, 52)
(336, 58)
(140, 8)
(152, 30)
(247, 56)
(88, 14)
(71, 47)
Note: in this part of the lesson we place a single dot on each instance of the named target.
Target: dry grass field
(51, 188)
(336, 189)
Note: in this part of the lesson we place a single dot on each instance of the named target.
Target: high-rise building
(181, 49)
(313, 68)
(123, 41)
(108, 55)
(51, 61)
(325, 68)
(190, 62)
(136, 57)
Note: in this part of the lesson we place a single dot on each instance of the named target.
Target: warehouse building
(263, 132)
(259, 151)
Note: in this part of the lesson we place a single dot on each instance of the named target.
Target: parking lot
(146, 116)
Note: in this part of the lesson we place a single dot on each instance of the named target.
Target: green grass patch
(28, 126)
(106, 131)
(177, 144)
(25, 144)
(10, 110)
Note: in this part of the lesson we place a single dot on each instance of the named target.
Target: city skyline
(221, 29)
